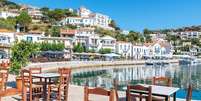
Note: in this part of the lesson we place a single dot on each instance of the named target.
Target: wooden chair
(162, 81)
(37, 70)
(98, 91)
(189, 93)
(62, 84)
(5, 64)
(4, 72)
(2, 82)
(139, 92)
(28, 88)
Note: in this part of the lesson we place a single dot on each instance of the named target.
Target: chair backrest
(26, 78)
(189, 93)
(1, 81)
(98, 91)
(5, 64)
(37, 70)
(65, 76)
(140, 92)
(162, 81)
(4, 71)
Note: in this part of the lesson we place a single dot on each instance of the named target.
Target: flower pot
(19, 83)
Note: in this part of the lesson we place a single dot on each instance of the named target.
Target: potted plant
(20, 53)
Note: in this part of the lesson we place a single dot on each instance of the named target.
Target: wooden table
(45, 76)
(162, 91)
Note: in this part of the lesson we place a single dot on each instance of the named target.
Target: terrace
(14, 93)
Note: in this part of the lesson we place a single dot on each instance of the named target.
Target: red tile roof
(68, 31)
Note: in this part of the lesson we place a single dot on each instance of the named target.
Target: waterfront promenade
(53, 66)
(76, 93)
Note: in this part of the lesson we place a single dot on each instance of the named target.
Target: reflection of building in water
(138, 73)
(181, 75)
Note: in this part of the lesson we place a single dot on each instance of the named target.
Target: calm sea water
(103, 77)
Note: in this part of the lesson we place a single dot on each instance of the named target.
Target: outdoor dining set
(38, 85)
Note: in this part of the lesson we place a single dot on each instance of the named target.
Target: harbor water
(182, 76)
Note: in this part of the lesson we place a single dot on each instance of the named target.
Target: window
(30, 39)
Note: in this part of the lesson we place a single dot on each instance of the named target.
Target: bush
(52, 46)
(78, 48)
(105, 50)
(21, 51)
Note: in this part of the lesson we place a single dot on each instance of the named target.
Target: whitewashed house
(124, 49)
(35, 13)
(160, 48)
(7, 39)
(6, 14)
(139, 51)
(107, 42)
(88, 18)
(31, 37)
(86, 36)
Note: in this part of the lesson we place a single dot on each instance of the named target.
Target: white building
(87, 18)
(160, 48)
(124, 49)
(35, 13)
(6, 14)
(83, 12)
(86, 36)
(31, 37)
(189, 34)
(107, 42)
(7, 39)
(140, 51)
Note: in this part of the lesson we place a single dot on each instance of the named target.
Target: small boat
(156, 62)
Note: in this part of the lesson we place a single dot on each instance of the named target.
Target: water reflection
(181, 76)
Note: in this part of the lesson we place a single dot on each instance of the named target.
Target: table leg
(174, 96)
(65, 93)
(166, 98)
(45, 90)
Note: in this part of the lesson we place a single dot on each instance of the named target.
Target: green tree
(44, 10)
(56, 14)
(8, 23)
(78, 48)
(103, 32)
(69, 13)
(55, 31)
(195, 41)
(147, 33)
(105, 50)
(121, 37)
(133, 37)
(51, 46)
(24, 20)
(114, 25)
(21, 51)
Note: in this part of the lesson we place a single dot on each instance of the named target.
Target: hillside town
(84, 50)
(83, 31)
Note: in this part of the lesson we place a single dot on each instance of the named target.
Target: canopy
(111, 55)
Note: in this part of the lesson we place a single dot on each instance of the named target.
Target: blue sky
(136, 14)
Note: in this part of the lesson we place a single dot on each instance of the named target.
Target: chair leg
(66, 93)
(5, 86)
(59, 95)
(24, 94)
(49, 93)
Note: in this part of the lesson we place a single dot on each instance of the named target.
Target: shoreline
(53, 66)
